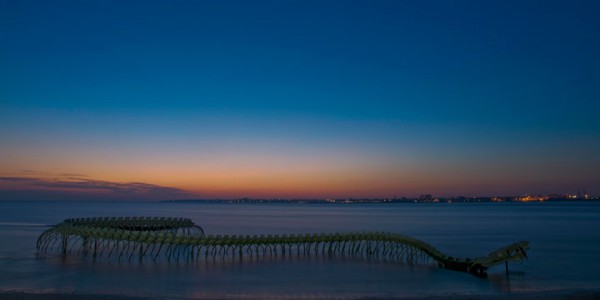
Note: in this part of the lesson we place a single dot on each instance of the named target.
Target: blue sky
(446, 97)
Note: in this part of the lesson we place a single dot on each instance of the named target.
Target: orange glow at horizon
(286, 170)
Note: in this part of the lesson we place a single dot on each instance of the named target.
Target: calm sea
(565, 243)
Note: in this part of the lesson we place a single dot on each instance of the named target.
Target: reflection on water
(563, 238)
(281, 275)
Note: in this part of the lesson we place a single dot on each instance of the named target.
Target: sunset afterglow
(210, 100)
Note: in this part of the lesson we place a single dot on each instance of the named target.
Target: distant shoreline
(579, 294)
(308, 201)
(379, 201)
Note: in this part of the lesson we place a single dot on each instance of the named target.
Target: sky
(151, 100)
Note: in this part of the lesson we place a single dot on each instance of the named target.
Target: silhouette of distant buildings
(424, 198)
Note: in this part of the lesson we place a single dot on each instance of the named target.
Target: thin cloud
(83, 187)
(18, 179)
(73, 175)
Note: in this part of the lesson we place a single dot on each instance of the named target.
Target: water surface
(564, 244)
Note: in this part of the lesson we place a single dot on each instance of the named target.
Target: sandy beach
(545, 295)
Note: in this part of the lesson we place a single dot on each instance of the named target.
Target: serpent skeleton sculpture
(178, 238)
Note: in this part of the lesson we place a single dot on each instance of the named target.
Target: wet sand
(545, 295)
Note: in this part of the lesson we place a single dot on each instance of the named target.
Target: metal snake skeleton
(178, 238)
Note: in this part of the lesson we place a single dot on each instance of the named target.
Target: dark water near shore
(565, 242)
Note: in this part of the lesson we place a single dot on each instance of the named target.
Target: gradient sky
(291, 99)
